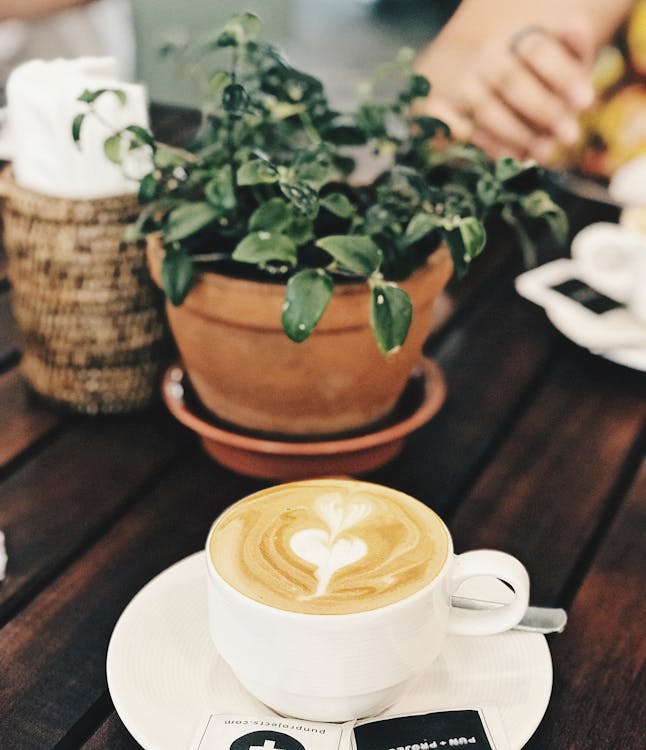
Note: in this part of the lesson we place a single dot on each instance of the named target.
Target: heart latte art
(328, 546)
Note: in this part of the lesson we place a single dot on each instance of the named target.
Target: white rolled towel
(42, 102)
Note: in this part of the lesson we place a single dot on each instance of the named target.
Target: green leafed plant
(266, 187)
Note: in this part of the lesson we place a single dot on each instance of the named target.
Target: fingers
(578, 36)
(523, 96)
(537, 117)
(563, 71)
(493, 116)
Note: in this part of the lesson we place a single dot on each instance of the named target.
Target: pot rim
(435, 390)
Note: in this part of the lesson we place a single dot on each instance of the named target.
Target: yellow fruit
(614, 131)
(636, 37)
(622, 119)
(609, 69)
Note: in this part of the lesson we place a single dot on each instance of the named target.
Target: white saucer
(635, 358)
(615, 335)
(165, 676)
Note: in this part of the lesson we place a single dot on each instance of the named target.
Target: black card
(440, 729)
(585, 295)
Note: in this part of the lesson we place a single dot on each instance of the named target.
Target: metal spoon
(535, 620)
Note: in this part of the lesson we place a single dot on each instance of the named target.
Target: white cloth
(42, 102)
(102, 27)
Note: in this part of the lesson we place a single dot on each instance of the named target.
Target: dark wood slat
(511, 342)
(53, 506)
(54, 685)
(23, 420)
(600, 660)
(543, 496)
(112, 734)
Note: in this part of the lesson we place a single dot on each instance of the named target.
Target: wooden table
(539, 450)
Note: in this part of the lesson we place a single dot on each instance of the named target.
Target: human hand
(520, 94)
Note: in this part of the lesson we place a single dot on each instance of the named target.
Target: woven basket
(91, 322)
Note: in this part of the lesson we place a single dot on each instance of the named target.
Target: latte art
(328, 546)
(328, 549)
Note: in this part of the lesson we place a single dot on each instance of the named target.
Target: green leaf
(453, 239)
(142, 136)
(371, 118)
(314, 174)
(76, 127)
(147, 188)
(338, 204)
(429, 126)
(243, 26)
(89, 97)
(463, 155)
(300, 229)
(227, 39)
(219, 191)
(283, 110)
(234, 99)
(465, 239)
(420, 225)
(218, 81)
(488, 189)
(508, 168)
(355, 253)
(257, 172)
(390, 316)
(418, 88)
(301, 195)
(539, 205)
(132, 233)
(261, 248)
(177, 275)
(187, 219)
(474, 236)
(307, 296)
(345, 135)
(169, 156)
(112, 148)
(272, 216)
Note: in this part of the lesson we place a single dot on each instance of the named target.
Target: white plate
(165, 675)
(635, 358)
(614, 335)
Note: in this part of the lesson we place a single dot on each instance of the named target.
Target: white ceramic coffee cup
(347, 666)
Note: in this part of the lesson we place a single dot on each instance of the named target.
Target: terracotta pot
(247, 372)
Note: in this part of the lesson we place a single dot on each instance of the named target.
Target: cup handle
(486, 562)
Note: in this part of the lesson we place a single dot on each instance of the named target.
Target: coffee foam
(328, 546)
